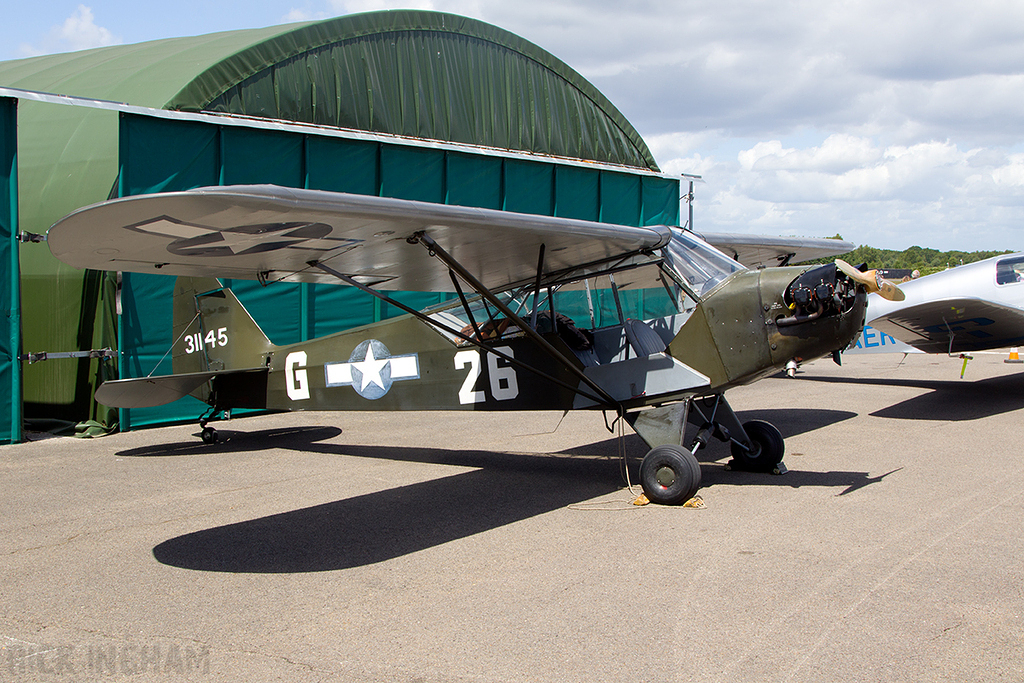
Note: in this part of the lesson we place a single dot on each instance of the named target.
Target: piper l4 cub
(651, 323)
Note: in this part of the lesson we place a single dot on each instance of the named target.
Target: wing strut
(435, 249)
(536, 289)
(465, 305)
(605, 399)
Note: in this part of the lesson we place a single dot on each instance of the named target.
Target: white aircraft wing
(270, 233)
(765, 250)
(954, 325)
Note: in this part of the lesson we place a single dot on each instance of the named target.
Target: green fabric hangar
(408, 104)
(10, 334)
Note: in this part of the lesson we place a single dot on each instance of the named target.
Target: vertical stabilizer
(212, 329)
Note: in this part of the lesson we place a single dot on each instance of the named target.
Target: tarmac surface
(502, 547)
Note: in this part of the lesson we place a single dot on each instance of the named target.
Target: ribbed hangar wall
(473, 83)
(160, 155)
(407, 73)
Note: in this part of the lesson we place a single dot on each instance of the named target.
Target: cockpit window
(643, 287)
(1010, 270)
(697, 263)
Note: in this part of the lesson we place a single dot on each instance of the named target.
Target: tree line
(927, 261)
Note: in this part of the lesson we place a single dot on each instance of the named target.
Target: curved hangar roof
(412, 73)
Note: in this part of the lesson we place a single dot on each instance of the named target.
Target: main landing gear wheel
(769, 448)
(669, 475)
(209, 435)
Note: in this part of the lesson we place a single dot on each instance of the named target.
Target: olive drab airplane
(521, 334)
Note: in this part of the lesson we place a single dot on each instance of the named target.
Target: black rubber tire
(670, 475)
(209, 435)
(769, 445)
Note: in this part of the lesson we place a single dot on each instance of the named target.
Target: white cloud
(78, 32)
(297, 14)
(1010, 174)
(890, 124)
(675, 144)
(932, 194)
(839, 152)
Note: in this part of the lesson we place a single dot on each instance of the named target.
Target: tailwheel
(769, 448)
(209, 435)
(669, 475)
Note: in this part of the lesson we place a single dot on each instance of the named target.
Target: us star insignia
(371, 369)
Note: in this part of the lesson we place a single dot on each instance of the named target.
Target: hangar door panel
(165, 155)
(10, 328)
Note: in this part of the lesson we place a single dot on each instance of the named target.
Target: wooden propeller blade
(872, 281)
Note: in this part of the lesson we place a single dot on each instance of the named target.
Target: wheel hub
(666, 476)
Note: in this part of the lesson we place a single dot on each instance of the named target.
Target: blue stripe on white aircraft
(876, 341)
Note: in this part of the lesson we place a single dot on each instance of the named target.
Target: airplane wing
(765, 250)
(954, 325)
(270, 233)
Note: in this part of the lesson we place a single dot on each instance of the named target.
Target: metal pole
(690, 202)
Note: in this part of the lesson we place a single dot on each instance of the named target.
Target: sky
(891, 124)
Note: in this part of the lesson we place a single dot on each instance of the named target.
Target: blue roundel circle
(371, 369)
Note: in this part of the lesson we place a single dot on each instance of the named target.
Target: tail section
(212, 330)
(220, 355)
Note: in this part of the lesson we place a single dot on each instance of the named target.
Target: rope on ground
(620, 504)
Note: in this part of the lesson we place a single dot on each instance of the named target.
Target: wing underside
(766, 250)
(269, 233)
(954, 325)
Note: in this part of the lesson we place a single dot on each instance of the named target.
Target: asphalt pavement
(445, 547)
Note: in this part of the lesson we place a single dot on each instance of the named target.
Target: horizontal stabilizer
(147, 392)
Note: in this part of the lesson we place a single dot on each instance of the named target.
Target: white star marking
(370, 367)
(238, 241)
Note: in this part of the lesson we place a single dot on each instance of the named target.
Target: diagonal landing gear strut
(757, 446)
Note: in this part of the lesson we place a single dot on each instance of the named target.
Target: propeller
(872, 281)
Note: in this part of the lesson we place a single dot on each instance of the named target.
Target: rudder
(212, 329)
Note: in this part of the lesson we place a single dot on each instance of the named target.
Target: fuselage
(721, 326)
(998, 280)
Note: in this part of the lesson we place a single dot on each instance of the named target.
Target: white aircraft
(969, 308)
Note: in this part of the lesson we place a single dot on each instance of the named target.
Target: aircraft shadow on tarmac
(396, 521)
(399, 520)
(948, 400)
(293, 438)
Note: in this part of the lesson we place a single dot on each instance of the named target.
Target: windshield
(697, 263)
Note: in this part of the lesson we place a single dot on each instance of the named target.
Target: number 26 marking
(504, 385)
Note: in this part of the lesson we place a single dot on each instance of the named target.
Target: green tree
(915, 258)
